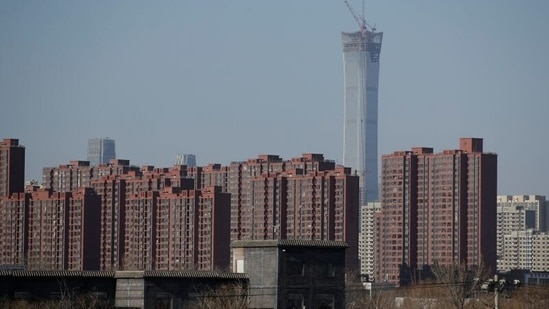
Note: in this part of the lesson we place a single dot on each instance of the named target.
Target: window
(294, 268)
(325, 301)
(327, 270)
(295, 301)
(239, 266)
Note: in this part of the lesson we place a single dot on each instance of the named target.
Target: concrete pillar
(130, 289)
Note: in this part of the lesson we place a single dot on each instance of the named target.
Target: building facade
(101, 150)
(292, 273)
(302, 198)
(68, 177)
(13, 229)
(397, 242)
(536, 203)
(437, 208)
(63, 230)
(361, 51)
(192, 229)
(518, 213)
(512, 219)
(525, 250)
(517, 251)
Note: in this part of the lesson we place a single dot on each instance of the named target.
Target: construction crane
(360, 20)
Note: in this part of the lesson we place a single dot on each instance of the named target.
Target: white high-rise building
(537, 203)
(525, 250)
(512, 219)
(367, 239)
(518, 218)
(361, 52)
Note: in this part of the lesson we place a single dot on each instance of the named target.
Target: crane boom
(360, 19)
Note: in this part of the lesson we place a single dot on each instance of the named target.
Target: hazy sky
(228, 80)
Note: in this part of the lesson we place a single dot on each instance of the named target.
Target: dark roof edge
(193, 274)
(122, 274)
(289, 243)
(56, 273)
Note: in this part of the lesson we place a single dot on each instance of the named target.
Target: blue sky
(228, 80)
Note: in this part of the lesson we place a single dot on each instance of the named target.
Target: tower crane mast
(360, 19)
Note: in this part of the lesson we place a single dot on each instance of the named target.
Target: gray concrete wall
(130, 290)
(261, 266)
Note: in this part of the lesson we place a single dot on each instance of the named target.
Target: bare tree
(459, 282)
(231, 296)
(376, 300)
(422, 296)
(85, 301)
(365, 295)
(72, 298)
(527, 297)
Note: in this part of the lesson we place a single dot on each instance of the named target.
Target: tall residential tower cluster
(436, 208)
(115, 216)
(522, 233)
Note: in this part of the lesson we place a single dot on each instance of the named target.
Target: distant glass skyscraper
(100, 150)
(361, 77)
(185, 159)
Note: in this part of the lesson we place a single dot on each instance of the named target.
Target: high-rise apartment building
(512, 219)
(397, 241)
(100, 150)
(63, 230)
(84, 226)
(192, 229)
(517, 213)
(437, 208)
(361, 52)
(68, 177)
(13, 228)
(112, 192)
(133, 228)
(174, 229)
(140, 231)
(13, 214)
(153, 219)
(367, 239)
(306, 198)
(525, 250)
(536, 203)
(12, 167)
(13, 211)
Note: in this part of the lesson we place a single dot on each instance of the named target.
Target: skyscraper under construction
(361, 52)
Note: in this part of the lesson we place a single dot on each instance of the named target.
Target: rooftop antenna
(360, 20)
